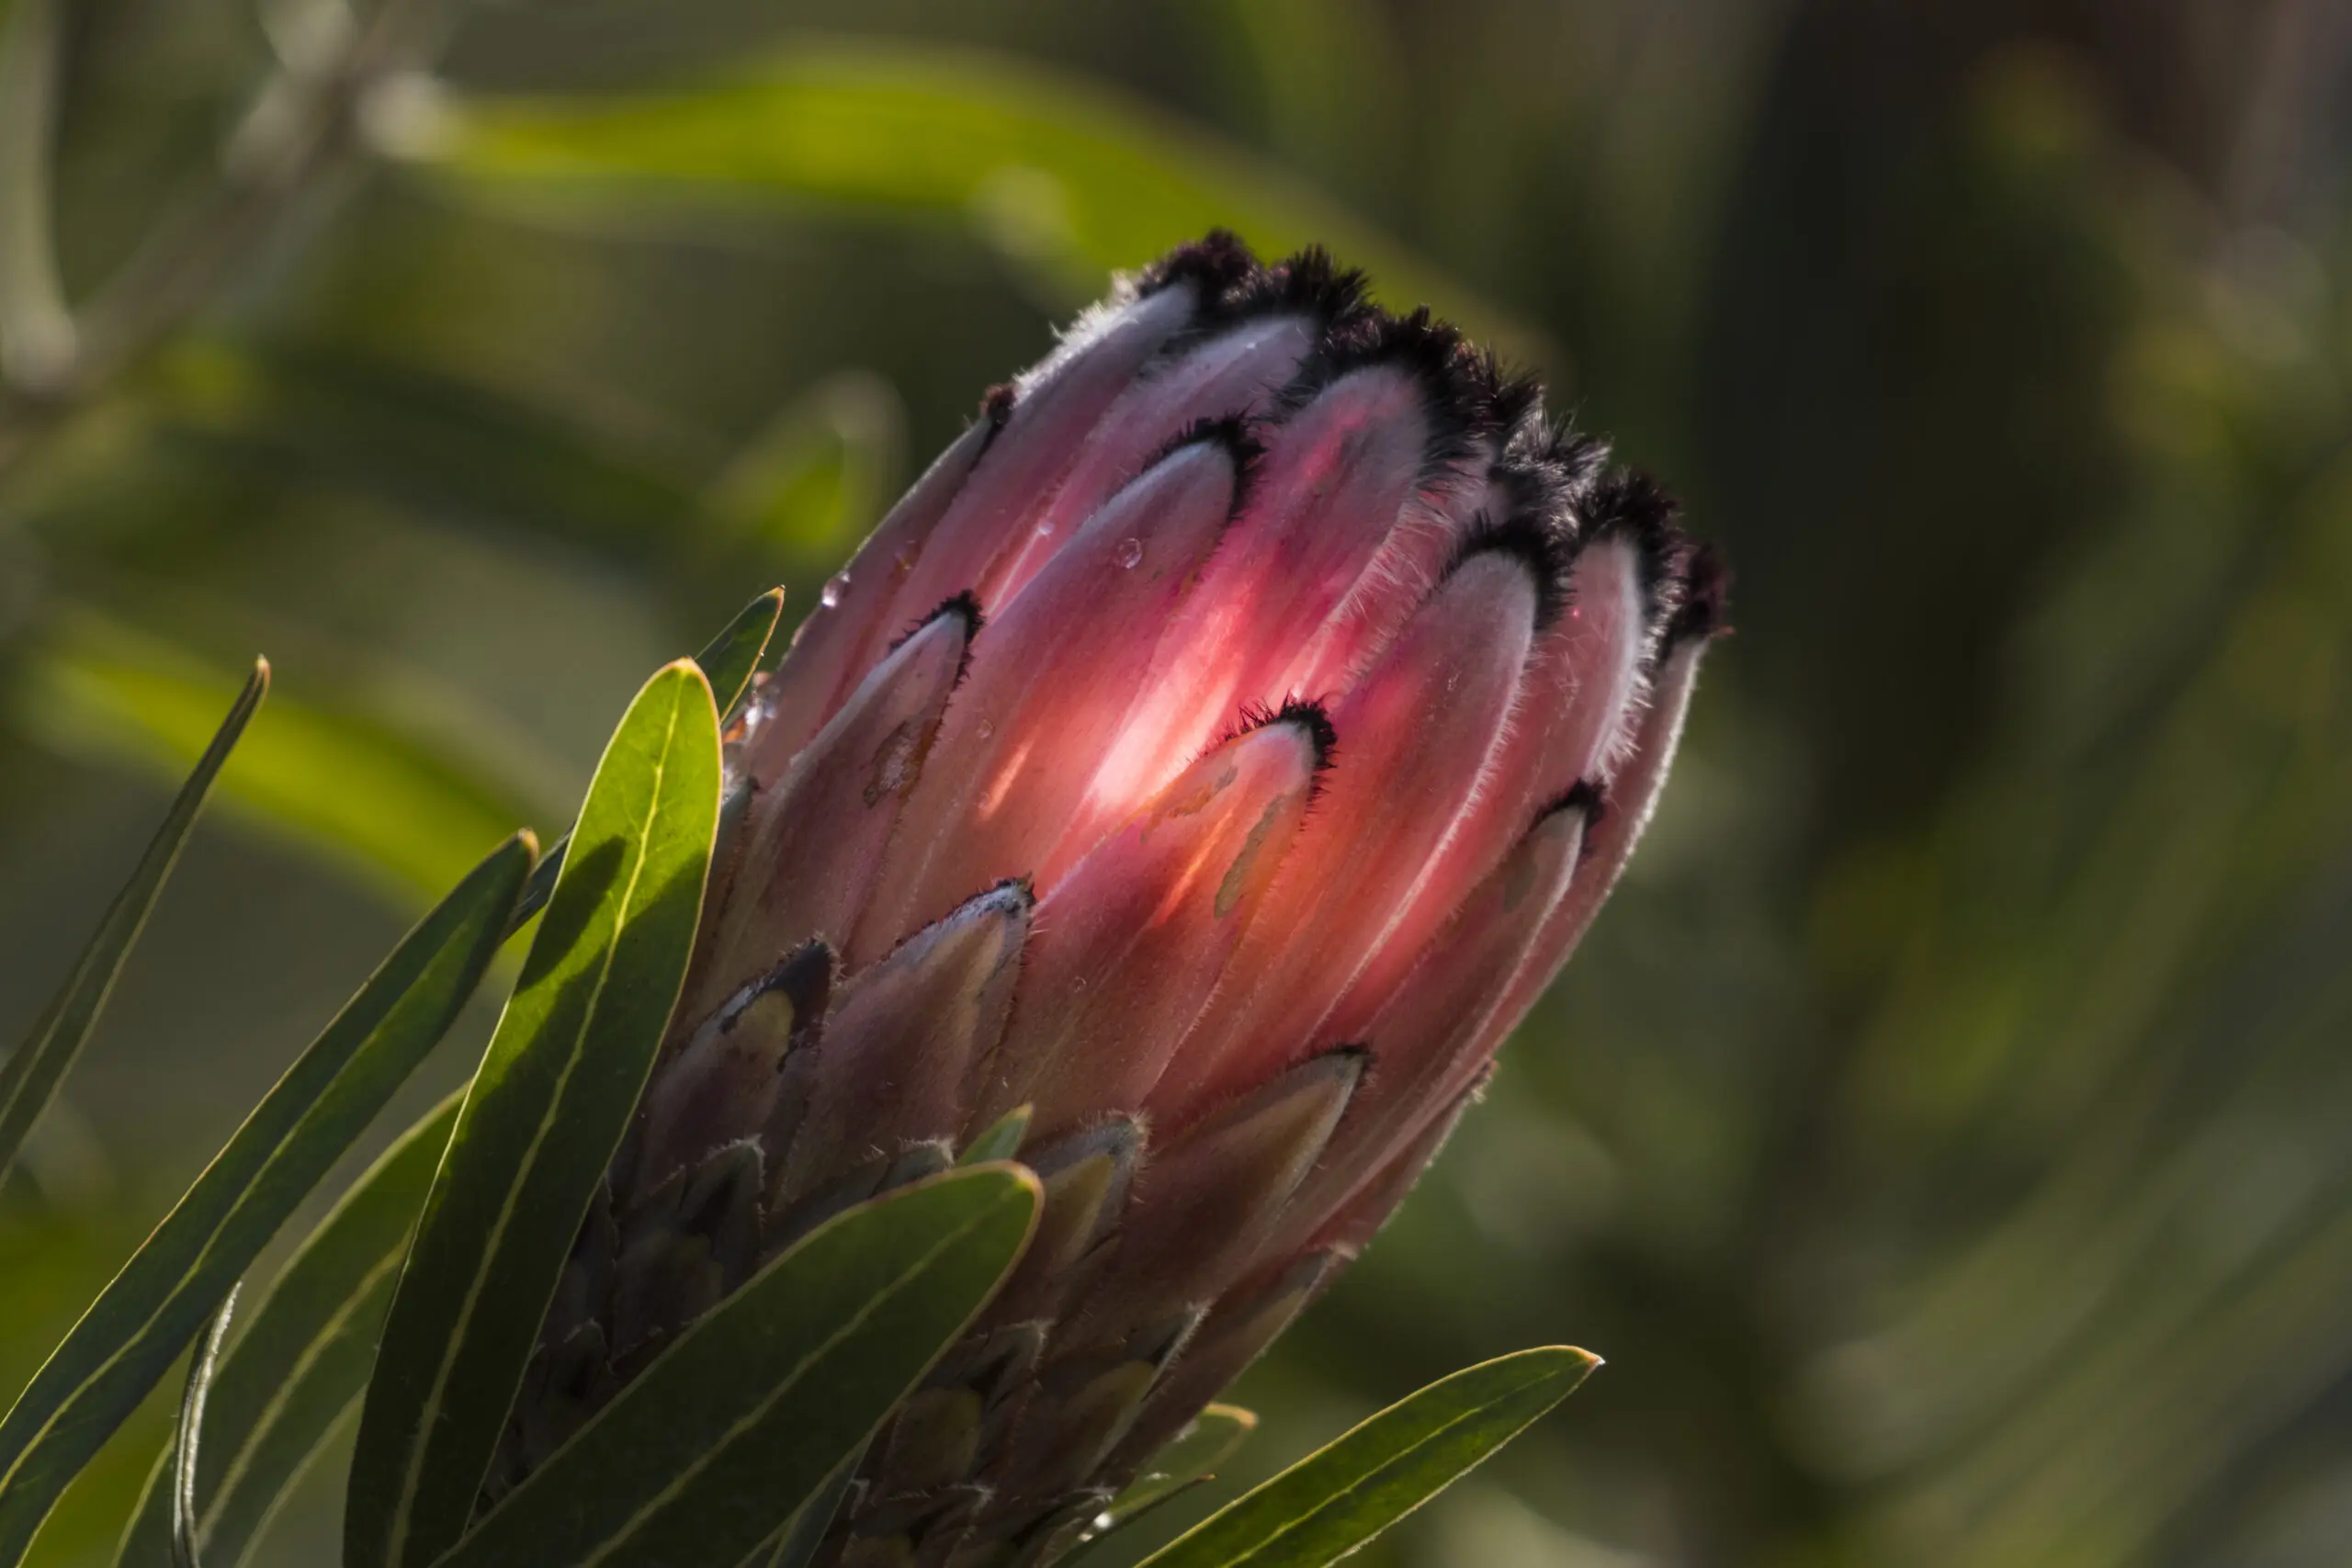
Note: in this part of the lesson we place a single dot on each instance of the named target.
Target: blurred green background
(1947, 1133)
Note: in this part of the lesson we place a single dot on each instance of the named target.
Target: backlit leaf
(29, 1079)
(1336, 1499)
(547, 1109)
(159, 1303)
(297, 1371)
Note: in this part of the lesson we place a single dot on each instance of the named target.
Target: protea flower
(1218, 751)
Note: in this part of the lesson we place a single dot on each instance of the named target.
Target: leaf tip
(691, 671)
(1571, 1364)
(1239, 1416)
(1020, 1186)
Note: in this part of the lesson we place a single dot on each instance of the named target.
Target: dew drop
(832, 597)
(984, 729)
(1045, 530)
(1129, 552)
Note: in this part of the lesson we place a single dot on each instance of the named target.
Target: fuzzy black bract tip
(1471, 400)
(1231, 284)
(1706, 591)
(964, 607)
(1541, 545)
(1231, 431)
(996, 409)
(1214, 264)
(1308, 284)
(1545, 473)
(1234, 431)
(1627, 504)
(1306, 714)
(1013, 894)
(1582, 797)
(805, 977)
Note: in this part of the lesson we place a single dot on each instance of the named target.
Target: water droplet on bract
(1045, 530)
(1129, 552)
(985, 729)
(832, 597)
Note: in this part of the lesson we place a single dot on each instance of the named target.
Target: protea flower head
(1218, 751)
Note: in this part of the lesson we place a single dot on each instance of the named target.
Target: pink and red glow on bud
(1216, 751)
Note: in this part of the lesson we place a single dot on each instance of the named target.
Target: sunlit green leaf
(734, 655)
(1062, 175)
(297, 1371)
(1336, 1499)
(715, 1446)
(129, 1339)
(547, 1109)
(393, 810)
(29, 1079)
(729, 661)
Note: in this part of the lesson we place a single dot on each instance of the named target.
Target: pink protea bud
(1218, 751)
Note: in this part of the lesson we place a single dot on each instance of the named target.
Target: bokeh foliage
(1942, 1133)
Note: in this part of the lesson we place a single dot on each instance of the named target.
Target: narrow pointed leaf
(754, 1409)
(299, 1368)
(406, 814)
(1191, 1460)
(730, 660)
(547, 1109)
(733, 655)
(1337, 1498)
(29, 1079)
(143, 1321)
(1000, 1140)
(187, 1434)
(794, 1545)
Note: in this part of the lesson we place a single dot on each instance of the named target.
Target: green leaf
(546, 1111)
(750, 1412)
(794, 1545)
(733, 655)
(432, 443)
(1336, 1499)
(396, 811)
(1064, 177)
(144, 1320)
(1000, 1140)
(729, 661)
(187, 1433)
(29, 1079)
(297, 1369)
(1190, 1461)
